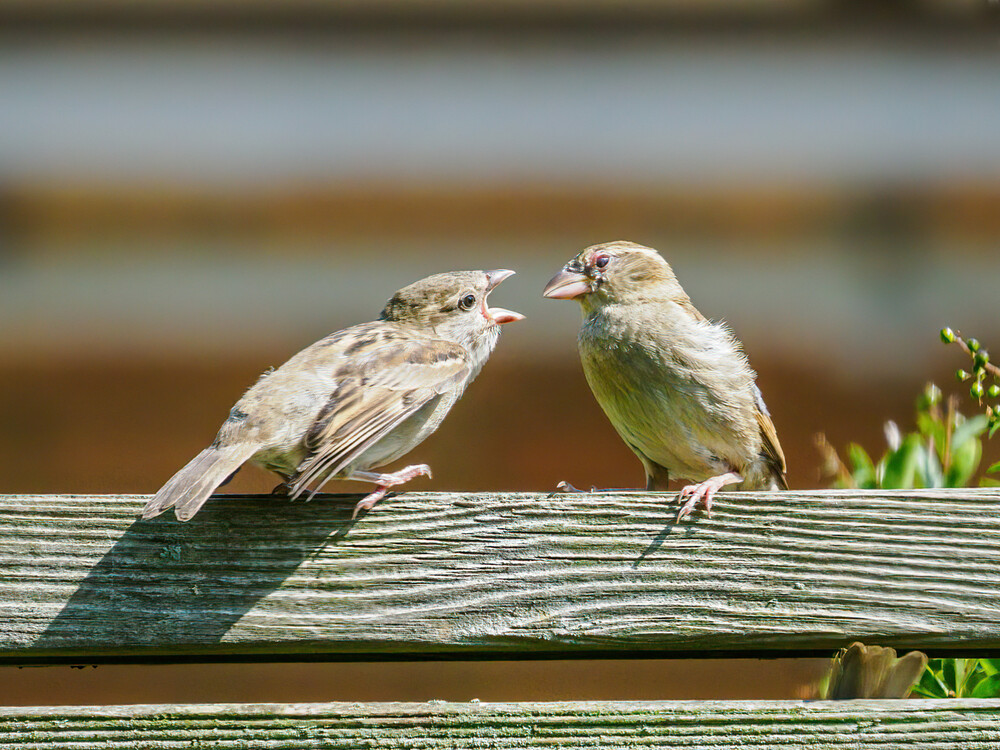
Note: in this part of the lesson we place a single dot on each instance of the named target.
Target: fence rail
(859, 725)
(498, 576)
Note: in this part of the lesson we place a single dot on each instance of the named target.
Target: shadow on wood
(489, 575)
(166, 581)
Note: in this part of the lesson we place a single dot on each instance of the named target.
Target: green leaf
(932, 428)
(970, 428)
(862, 469)
(901, 465)
(972, 677)
(964, 460)
(859, 457)
(931, 683)
(880, 471)
(990, 666)
(987, 688)
(949, 675)
(994, 468)
(929, 468)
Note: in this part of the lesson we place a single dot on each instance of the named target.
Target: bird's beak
(567, 285)
(493, 278)
(498, 315)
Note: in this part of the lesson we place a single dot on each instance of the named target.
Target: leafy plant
(960, 678)
(944, 451)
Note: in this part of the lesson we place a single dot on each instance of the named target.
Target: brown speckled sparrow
(676, 386)
(355, 400)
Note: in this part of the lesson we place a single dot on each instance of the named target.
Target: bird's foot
(404, 475)
(384, 482)
(704, 491)
(368, 502)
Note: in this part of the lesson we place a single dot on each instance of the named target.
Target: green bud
(994, 390)
(961, 375)
(976, 390)
(973, 344)
(981, 358)
(932, 395)
(947, 335)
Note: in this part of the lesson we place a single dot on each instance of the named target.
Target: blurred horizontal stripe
(635, 110)
(852, 307)
(70, 213)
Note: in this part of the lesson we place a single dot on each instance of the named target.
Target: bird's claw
(705, 491)
(385, 481)
(410, 472)
(695, 492)
(368, 502)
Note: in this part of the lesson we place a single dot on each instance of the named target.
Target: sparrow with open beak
(356, 400)
(676, 386)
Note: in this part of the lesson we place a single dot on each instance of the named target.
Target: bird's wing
(770, 447)
(376, 392)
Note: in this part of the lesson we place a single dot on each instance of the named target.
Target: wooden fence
(508, 575)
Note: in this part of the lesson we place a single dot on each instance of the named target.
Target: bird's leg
(705, 491)
(384, 482)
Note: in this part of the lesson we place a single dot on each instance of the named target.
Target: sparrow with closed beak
(356, 400)
(676, 386)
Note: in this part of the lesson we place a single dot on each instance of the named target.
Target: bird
(355, 400)
(676, 386)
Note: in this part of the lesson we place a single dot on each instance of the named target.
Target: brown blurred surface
(599, 679)
(114, 427)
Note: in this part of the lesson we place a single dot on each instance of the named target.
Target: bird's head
(614, 272)
(454, 305)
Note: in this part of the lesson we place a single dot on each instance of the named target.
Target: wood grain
(860, 725)
(497, 575)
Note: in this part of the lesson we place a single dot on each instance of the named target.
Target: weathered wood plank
(498, 574)
(693, 725)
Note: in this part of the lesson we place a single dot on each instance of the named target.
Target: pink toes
(705, 491)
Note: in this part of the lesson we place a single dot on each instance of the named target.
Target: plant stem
(989, 366)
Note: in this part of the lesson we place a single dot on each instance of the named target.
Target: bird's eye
(601, 260)
(467, 302)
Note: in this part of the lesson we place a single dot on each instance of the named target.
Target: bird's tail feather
(188, 489)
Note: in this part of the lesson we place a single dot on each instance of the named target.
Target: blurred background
(192, 192)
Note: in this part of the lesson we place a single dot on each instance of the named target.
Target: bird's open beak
(498, 315)
(493, 278)
(567, 285)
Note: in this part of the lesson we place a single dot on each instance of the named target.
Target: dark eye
(601, 260)
(467, 302)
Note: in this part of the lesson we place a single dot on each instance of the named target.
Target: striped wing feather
(373, 397)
